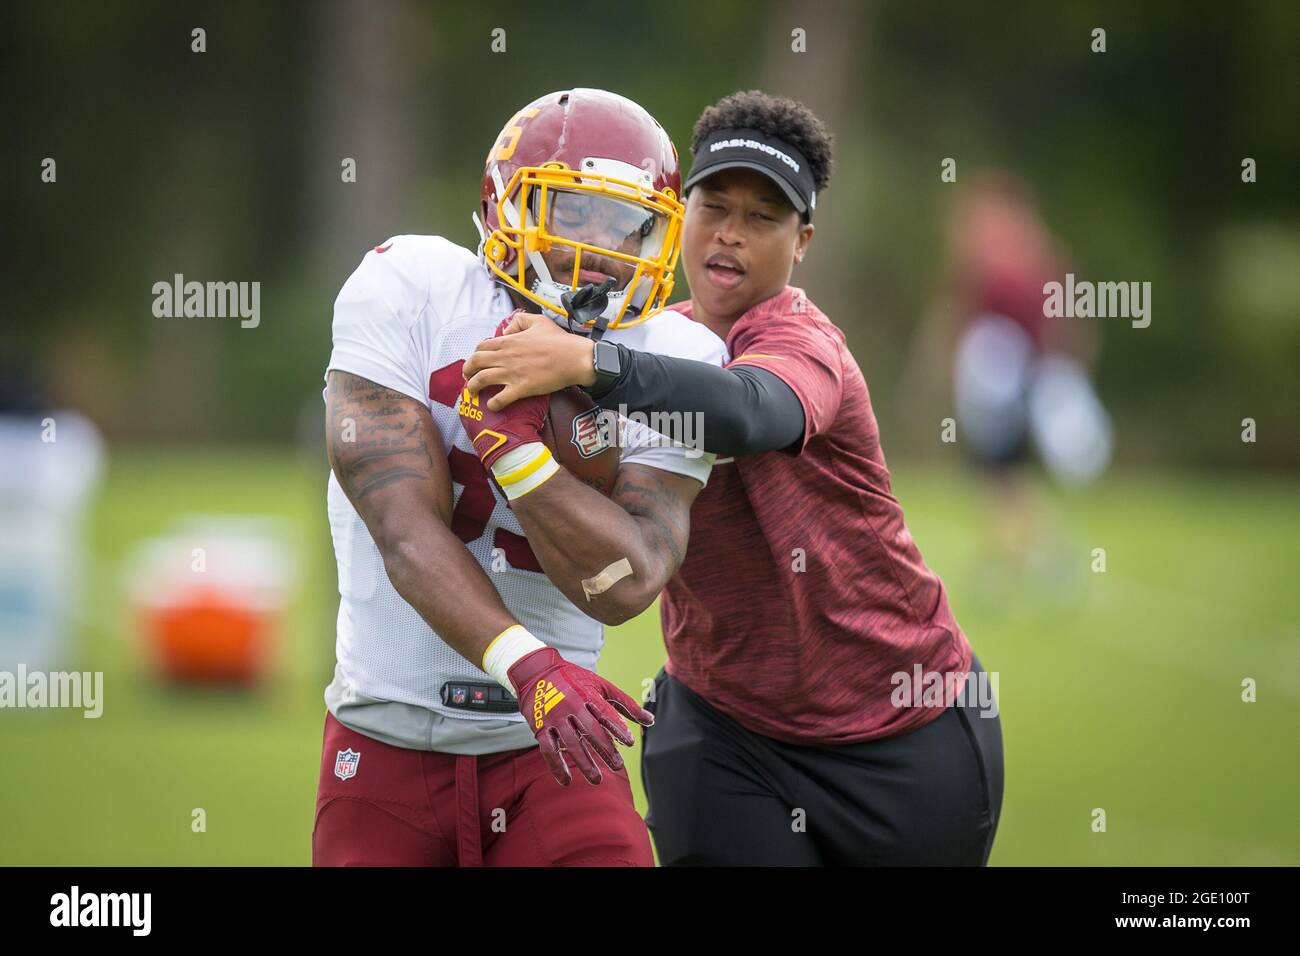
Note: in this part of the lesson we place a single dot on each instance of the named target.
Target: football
(582, 438)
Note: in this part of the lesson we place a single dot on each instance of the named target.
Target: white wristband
(506, 648)
(522, 469)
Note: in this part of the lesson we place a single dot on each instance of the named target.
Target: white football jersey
(413, 311)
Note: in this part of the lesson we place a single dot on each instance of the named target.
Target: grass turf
(1118, 690)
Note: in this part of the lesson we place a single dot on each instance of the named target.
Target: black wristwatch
(608, 364)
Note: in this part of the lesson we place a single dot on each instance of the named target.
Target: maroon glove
(495, 433)
(568, 708)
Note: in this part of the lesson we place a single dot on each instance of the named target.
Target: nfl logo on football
(594, 431)
(345, 764)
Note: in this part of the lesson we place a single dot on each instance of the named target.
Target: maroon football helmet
(591, 180)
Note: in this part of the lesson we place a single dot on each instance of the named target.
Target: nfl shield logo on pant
(345, 764)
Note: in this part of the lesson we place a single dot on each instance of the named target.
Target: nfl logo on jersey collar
(345, 764)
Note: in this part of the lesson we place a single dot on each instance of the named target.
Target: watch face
(607, 358)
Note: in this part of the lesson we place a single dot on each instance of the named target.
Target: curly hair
(775, 116)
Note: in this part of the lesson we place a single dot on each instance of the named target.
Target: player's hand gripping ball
(494, 433)
(583, 440)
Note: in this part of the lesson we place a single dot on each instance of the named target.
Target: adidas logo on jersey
(545, 696)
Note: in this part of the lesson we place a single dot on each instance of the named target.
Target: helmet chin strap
(482, 233)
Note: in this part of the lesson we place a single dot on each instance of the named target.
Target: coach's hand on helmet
(534, 356)
(569, 709)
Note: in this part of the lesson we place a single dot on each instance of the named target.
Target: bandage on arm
(610, 556)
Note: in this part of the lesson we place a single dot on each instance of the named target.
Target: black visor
(750, 149)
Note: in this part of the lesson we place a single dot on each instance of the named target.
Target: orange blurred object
(209, 638)
(208, 600)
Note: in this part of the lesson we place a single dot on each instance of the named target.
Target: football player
(475, 572)
(780, 736)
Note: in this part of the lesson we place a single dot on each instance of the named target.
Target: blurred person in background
(1018, 379)
(53, 461)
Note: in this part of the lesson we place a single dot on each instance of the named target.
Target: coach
(791, 727)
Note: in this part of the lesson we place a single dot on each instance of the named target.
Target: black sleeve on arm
(746, 409)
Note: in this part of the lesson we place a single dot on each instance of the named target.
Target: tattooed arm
(577, 533)
(386, 453)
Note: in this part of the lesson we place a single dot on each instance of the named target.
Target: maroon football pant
(401, 807)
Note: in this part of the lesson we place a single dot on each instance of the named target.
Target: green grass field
(1119, 690)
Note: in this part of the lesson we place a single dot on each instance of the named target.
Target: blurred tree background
(225, 165)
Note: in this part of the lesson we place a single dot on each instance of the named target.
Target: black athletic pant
(722, 795)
